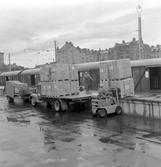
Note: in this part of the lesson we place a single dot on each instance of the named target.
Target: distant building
(15, 67)
(156, 51)
(129, 50)
(70, 54)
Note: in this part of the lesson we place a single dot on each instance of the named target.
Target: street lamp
(139, 10)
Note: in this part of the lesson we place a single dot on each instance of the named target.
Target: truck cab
(35, 96)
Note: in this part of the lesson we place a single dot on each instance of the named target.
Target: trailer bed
(76, 97)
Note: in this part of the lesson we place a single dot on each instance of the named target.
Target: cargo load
(117, 74)
(59, 80)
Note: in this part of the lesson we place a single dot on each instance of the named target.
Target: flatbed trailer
(60, 103)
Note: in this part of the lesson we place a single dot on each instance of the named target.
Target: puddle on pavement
(152, 135)
(67, 139)
(119, 141)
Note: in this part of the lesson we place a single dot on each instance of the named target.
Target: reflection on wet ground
(38, 137)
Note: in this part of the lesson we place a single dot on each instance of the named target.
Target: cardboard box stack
(74, 79)
(117, 74)
(104, 75)
(121, 76)
(59, 80)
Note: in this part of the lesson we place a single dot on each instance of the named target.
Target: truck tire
(57, 105)
(101, 113)
(10, 99)
(33, 102)
(118, 110)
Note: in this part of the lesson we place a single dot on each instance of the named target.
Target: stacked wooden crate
(74, 79)
(121, 77)
(104, 75)
(59, 80)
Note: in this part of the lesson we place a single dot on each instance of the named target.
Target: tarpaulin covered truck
(17, 89)
(58, 87)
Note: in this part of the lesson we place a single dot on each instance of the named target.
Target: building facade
(156, 51)
(130, 50)
(125, 50)
(70, 54)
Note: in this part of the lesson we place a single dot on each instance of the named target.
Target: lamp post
(9, 57)
(139, 10)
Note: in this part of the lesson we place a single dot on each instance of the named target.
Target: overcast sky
(89, 24)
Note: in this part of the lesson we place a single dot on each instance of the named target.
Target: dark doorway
(155, 78)
(7, 78)
(96, 79)
(32, 80)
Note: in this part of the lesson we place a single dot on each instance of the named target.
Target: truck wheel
(101, 113)
(57, 105)
(10, 99)
(118, 110)
(33, 102)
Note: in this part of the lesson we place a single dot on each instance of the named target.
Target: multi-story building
(68, 54)
(103, 55)
(72, 55)
(130, 50)
(89, 55)
(156, 51)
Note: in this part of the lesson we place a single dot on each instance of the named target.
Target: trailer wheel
(118, 110)
(10, 99)
(33, 102)
(57, 105)
(102, 113)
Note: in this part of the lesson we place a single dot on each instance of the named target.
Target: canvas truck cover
(14, 86)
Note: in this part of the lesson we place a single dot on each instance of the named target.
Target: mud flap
(64, 105)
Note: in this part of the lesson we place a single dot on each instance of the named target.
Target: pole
(139, 10)
(55, 51)
(72, 56)
(9, 61)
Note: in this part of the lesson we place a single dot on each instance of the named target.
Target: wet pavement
(40, 137)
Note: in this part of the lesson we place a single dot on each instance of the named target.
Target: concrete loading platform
(143, 104)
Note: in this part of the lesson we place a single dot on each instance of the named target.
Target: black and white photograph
(80, 83)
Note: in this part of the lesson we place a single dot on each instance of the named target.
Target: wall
(151, 109)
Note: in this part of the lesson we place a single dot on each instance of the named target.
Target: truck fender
(34, 96)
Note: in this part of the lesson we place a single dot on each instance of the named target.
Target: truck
(15, 89)
(59, 87)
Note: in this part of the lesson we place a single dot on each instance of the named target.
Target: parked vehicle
(29, 76)
(58, 103)
(15, 89)
(59, 86)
